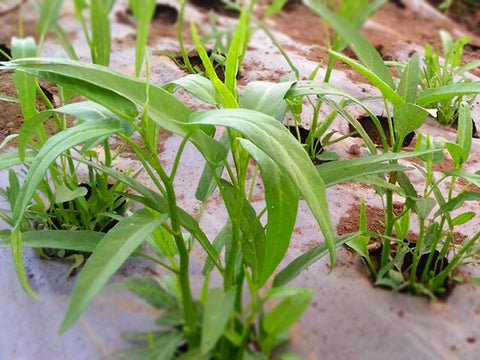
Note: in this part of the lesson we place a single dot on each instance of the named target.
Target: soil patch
(350, 223)
(216, 5)
(196, 62)
(301, 134)
(372, 130)
(5, 50)
(163, 13)
(466, 13)
(11, 118)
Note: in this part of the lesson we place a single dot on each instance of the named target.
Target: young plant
(408, 115)
(440, 73)
(246, 325)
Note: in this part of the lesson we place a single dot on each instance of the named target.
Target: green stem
(413, 272)
(183, 50)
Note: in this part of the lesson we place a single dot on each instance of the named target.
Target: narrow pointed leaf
(82, 240)
(305, 260)
(361, 46)
(276, 141)
(107, 258)
(91, 80)
(218, 308)
(281, 196)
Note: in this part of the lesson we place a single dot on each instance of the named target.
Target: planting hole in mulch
(466, 13)
(350, 223)
(5, 49)
(104, 225)
(301, 134)
(217, 5)
(475, 134)
(372, 131)
(399, 4)
(196, 62)
(163, 13)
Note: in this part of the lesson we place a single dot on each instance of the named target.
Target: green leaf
(457, 201)
(457, 154)
(425, 142)
(236, 51)
(150, 290)
(275, 140)
(287, 312)
(305, 260)
(100, 43)
(25, 84)
(81, 240)
(361, 46)
(407, 118)
(474, 280)
(49, 12)
(340, 171)
(281, 197)
(266, 97)
(17, 252)
(228, 99)
(10, 159)
(253, 239)
(114, 91)
(115, 247)
(407, 88)
(143, 10)
(275, 7)
(51, 150)
(207, 183)
(384, 87)
(424, 207)
(216, 314)
(470, 66)
(64, 194)
(430, 96)
(158, 203)
(465, 128)
(463, 218)
(197, 85)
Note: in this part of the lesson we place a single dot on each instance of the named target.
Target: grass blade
(100, 25)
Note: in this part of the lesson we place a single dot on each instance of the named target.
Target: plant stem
(183, 50)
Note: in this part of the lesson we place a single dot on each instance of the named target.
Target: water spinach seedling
(397, 255)
(439, 73)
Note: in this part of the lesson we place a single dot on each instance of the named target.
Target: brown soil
(11, 118)
(466, 13)
(375, 219)
(400, 27)
(372, 131)
(11, 115)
